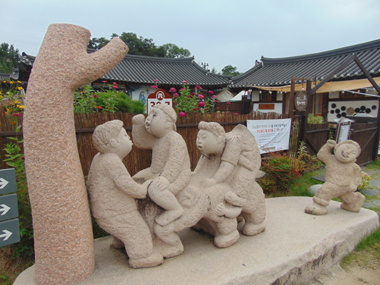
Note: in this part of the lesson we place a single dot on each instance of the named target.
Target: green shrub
(15, 159)
(314, 119)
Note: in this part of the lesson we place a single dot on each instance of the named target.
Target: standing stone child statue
(112, 191)
(343, 176)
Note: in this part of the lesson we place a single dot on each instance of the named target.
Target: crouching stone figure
(343, 176)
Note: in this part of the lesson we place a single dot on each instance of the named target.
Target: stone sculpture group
(143, 213)
(221, 189)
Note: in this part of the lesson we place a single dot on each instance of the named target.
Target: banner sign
(159, 97)
(271, 135)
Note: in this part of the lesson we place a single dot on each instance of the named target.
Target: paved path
(373, 191)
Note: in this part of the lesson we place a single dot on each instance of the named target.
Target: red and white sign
(159, 97)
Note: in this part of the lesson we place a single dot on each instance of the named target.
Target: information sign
(343, 130)
(8, 207)
(9, 232)
(300, 101)
(159, 97)
(7, 181)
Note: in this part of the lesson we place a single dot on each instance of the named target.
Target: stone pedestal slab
(294, 249)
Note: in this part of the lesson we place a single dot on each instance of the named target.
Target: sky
(216, 32)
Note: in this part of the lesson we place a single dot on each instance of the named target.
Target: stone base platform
(294, 249)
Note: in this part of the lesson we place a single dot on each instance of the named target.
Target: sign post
(343, 130)
(9, 226)
(159, 97)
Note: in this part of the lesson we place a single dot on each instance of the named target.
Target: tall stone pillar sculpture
(61, 218)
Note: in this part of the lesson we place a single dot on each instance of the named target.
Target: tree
(8, 58)
(140, 45)
(97, 43)
(230, 70)
(173, 51)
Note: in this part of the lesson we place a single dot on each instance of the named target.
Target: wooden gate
(366, 136)
(316, 136)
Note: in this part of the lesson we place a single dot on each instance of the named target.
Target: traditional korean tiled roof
(279, 71)
(168, 71)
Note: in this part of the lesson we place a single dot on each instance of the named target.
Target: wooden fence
(138, 159)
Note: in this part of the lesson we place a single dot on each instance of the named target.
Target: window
(265, 96)
(318, 103)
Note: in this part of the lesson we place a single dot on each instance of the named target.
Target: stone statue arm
(221, 175)
(324, 154)
(199, 164)
(126, 184)
(358, 175)
(141, 138)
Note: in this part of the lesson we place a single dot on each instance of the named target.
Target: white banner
(271, 135)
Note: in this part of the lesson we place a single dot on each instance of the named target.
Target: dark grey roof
(279, 71)
(145, 69)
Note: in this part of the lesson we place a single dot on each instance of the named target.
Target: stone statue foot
(226, 240)
(154, 259)
(167, 234)
(316, 209)
(116, 243)
(251, 229)
(356, 206)
(168, 217)
(168, 251)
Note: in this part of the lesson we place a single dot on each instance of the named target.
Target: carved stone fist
(138, 119)
(331, 143)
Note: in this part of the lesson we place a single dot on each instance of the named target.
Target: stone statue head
(161, 120)
(112, 137)
(347, 151)
(211, 138)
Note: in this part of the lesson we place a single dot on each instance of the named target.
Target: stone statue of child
(240, 162)
(170, 167)
(343, 176)
(112, 191)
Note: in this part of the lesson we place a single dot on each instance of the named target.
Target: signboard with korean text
(9, 226)
(300, 101)
(271, 135)
(160, 96)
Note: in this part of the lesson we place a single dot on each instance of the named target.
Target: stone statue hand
(138, 119)
(331, 143)
(208, 182)
(160, 183)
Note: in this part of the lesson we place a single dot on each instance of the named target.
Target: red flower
(216, 101)
(188, 96)
(218, 108)
(201, 104)
(195, 109)
(18, 115)
(182, 114)
(192, 93)
(200, 96)
(172, 90)
(114, 83)
(236, 113)
(213, 96)
(182, 89)
(104, 81)
(175, 94)
(228, 112)
(154, 86)
(228, 103)
(198, 87)
(156, 80)
(95, 96)
(99, 107)
(114, 86)
(184, 81)
(211, 92)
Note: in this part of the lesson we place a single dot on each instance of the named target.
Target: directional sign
(8, 207)
(9, 232)
(7, 181)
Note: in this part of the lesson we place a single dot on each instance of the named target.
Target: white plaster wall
(354, 104)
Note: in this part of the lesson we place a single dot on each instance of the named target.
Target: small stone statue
(170, 167)
(112, 191)
(343, 176)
